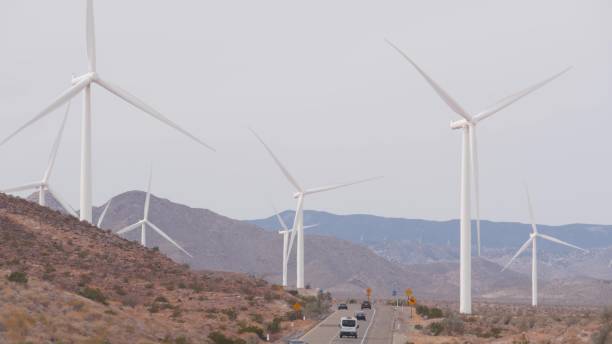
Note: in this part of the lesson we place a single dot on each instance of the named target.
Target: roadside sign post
(412, 301)
(297, 308)
(369, 293)
(408, 293)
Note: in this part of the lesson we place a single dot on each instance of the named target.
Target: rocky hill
(62, 280)
(342, 267)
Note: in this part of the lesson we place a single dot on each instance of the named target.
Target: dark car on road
(342, 306)
(360, 316)
(366, 305)
(296, 341)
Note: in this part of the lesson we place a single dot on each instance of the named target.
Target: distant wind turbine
(83, 83)
(534, 251)
(469, 171)
(286, 248)
(99, 225)
(298, 222)
(43, 185)
(145, 222)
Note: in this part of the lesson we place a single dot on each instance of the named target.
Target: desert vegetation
(62, 280)
(511, 324)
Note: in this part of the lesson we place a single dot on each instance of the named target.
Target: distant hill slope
(372, 229)
(340, 266)
(408, 241)
(221, 243)
(142, 296)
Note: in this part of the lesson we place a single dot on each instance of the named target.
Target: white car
(348, 327)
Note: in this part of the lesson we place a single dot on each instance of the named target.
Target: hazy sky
(320, 85)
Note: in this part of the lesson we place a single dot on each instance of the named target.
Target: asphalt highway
(377, 329)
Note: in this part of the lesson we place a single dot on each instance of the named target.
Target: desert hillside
(62, 280)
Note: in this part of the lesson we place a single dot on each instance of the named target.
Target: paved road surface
(378, 329)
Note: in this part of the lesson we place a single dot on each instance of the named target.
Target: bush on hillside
(93, 294)
(219, 338)
(18, 277)
(253, 329)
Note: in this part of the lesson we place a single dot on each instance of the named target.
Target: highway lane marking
(318, 325)
(365, 334)
(371, 321)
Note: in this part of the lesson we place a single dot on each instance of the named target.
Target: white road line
(317, 326)
(365, 334)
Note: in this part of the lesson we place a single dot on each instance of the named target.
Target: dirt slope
(139, 293)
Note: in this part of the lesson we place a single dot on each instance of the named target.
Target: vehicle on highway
(366, 305)
(296, 341)
(360, 316)
(348, 327)
(342, 306)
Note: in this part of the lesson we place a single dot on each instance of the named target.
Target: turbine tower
(285, 231)
(83, 83)
(533, 236)
(145, 222)
(298, 222)
(43, 185)
(469, 172)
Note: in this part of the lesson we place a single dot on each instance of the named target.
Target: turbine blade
(104, 213)
(476, 177)
(62, 99)
(22, 187)
(129, 98)
(129, 228)
(282, 222)
(311, 226)
(452, 103)
(62, 202)
(549, 238)
(507, 101)
(337, 186)
(296, 220)
(91, 36)
(148, 197)
(160, 232)
(56, 145)
(534, 227)
(280, 165)
(518, 253)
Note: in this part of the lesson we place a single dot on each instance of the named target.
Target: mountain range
(346, 254)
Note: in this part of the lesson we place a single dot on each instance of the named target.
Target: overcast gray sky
(320, 85)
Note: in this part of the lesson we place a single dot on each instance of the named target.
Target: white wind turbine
(534, 251)
(83, 83)
(285, 231)
(298, 222)
(43, 186)
(99, 225)
(469, 171)
(145, 222)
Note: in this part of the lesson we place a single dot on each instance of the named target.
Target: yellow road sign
(297, 307)
(408, 292)
(412, 300)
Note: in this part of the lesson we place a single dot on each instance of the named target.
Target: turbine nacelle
(92, 76)
(460, 124)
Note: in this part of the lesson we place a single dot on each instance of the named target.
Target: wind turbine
(43, 185)
(286, 248)
(469, 171)
(298, 222)
(145, 222)
(83, 83)
(99, 225)
(533, 236)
